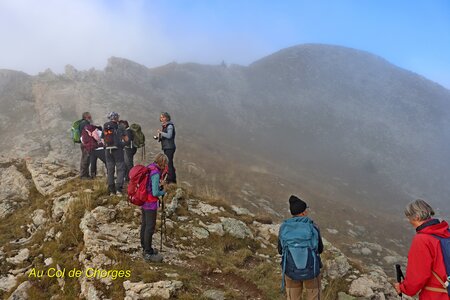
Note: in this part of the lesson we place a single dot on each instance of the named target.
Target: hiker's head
(86, 116)
(297, 206)
(164, 117)
(418, 212)
(124, 123)
(161, 160)
(113, 116)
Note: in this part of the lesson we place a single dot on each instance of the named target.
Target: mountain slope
(343, 128)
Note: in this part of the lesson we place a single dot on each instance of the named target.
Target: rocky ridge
(212, 250)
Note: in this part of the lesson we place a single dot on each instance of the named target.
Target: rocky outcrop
(14, 189)
(139, 290)
(48, 176)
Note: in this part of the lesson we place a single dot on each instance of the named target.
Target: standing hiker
(91, 138)
(150, 207)
(426, 273)
(115, 139)
(166, 136)
(300, 244)
(86, 119)
(130, 149)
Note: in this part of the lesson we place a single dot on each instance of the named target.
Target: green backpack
(75, 132)
(138, 136)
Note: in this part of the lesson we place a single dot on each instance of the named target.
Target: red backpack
(137, 187)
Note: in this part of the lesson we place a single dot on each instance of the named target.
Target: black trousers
(94, 155)
(129, 160)
(148, 225)
(171, 176)
(115, 160)
(84, 163)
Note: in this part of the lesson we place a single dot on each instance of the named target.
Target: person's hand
(159, 131)
(125, 138)
(397, 288)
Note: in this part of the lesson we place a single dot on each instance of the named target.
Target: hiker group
(299, 241)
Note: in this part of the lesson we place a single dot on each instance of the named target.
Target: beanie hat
(297, 205)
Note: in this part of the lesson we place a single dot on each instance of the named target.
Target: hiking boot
(155, 258)
(154, 252)
(119, 194)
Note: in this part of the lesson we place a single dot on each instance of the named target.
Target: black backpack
(109, 134)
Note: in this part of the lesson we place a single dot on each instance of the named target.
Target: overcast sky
(40, 34)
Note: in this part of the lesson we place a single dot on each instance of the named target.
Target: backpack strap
(284, 257)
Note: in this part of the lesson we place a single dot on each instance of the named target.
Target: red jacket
(424, 256)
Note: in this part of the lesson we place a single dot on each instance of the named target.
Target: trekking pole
(400, 277)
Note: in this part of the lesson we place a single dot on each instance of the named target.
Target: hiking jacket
(88, 141)
(424, 256)
(167, 137)
(153, 190)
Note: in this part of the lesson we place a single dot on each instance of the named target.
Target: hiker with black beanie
(166, 136)
(300, 244)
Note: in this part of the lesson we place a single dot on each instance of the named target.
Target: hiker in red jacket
(426, 271)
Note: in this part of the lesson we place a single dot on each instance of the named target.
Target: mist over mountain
(332, 123)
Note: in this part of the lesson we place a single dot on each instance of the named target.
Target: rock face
(14, 190)
(21, 293)
(140, 290)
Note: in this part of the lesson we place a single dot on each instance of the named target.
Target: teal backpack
(75, 132)
(299, 240)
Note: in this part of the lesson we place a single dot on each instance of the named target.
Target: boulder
(165, 289)
(236, 228)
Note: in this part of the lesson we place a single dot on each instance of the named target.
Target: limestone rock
(39, 217)
(362, 287)
(20, 257)
(201, 208)
(14, 188)
(236, 228)
(21, 293)
(48, 176)
(241, 211)
(267, 230)
(7, 282)
(200, 233)
(139, 290)
(216, 228)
